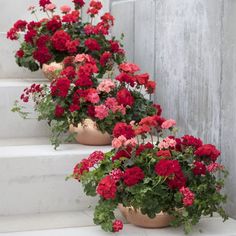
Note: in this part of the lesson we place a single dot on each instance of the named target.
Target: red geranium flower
(143, 147)
(122, 154)
(42, 55)
(92, 44)
(59, 40)
(133, 176)
(177, 181)
(20, 53)
(188, 140)
(69, 72)
(59, 111)
(150, 86)
(129, 67)
(20, 25)
(167, 167)
(117, 225)
(164, 153)
(71, 17)
(104, 58)
(43, 3)
(72, 46)
(199, 168)
(125, 98)
(54, 24)
(107, 188)
(123, 129)
(127, 78)
(80, 168)
(80, 3)
(208, 150)
(61, 87)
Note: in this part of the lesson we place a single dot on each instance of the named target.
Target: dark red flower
(68, 61)
(29, 36)
(92, 44)
(12, 34)
(20, 53)
(20, 25)
(107, 188)
(42, 40)
(91, 111)
(124, 97)
(74, 107)
(59, 40)
(80, 3)
(115, 46)
(43, 3)
(61, 87)
(80, 168)
(42, 55)
(123, 129)
(72, 46)
(208, 151)
(59, 111)
(177, 181)
(33, 25)
(94, 7)
(126, 78)
(69, 72)
(150, 86)
(164, 153)
(166, 167)
(158, 109)
(104, 58)
(117, 225)
(122, 154)
(133, 175)
(54, 24)
(189, 140)
(108, 18)
(142, 79)
(199, 168)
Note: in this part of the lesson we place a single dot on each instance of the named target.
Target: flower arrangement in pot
(78, 95)
(62, 34)
(166, 181)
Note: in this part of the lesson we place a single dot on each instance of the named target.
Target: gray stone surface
(189, 47)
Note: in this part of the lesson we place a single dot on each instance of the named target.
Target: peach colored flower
(101, 112)
(65, 9)
(106, 86)
(82, 57)
(168, 124)
(50, 7)
(166, 143)
(131, 142)
(118, 142)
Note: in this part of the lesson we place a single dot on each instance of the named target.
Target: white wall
(189, 46)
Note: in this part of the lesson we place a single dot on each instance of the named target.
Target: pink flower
(188, 196)
(50, 7)
(168, 124)
(111, 102)
(116, 174)
(117, 225)
(106, 86)
(213, 167)
(92, 96)
(65, 9)
(82, 57)
(131, 142)
(118, 142)
(166, 143)
(101, 112)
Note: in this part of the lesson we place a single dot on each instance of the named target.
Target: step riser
(34, 184)
(12, 125)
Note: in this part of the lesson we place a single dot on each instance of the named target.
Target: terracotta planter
(135, 217)
(88, 134)
(52, 70)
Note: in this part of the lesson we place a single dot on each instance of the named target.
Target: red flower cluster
(133, 176)
(129, 68)
(59, 111)
(79, 3)
(107, 188)
(122, 154)
(94, 7)
(123, 129)
(172, 170)
(164, 153)
(72, 17)
(42, 55)
(54, 24)
(92, 44)
(117, 225)
(125, 98)
(105, 58)
(116, 174)
(208, 151)
(94, 158)
(188, 196)
(60, 87)
(199, 168)
(80, 168)
(188, 140)
(43, 3)
(34, 88)
(59, 40)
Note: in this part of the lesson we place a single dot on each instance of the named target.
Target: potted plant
(77, 95)
(154, 180)
(62, 33)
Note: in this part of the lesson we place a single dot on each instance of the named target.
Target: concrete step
(206, 227)
(12, 125)
(32, 178)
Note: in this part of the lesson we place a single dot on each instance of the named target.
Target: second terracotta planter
(88, 134)
(135, 217)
